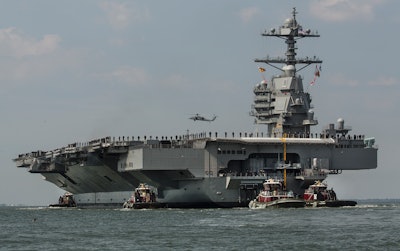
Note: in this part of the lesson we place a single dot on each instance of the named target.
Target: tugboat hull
(281, 203)
(144, 205)
(332, 203)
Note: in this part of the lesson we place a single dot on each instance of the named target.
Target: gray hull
(200, 177)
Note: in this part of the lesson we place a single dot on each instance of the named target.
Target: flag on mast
(316, 74)
(261, 70)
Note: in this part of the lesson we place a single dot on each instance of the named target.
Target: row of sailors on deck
(264, 174)
(250, 135)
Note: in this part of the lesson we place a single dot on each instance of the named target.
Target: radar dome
(310, 114)
(289, 70)
(340, 122)
(288, 23)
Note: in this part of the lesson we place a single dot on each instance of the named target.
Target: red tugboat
(143, 197)
(274, 196)
(67, 200)
(318, 195)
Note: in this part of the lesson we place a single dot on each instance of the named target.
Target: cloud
(248, 13)
(384, 81)
(342, 80)
(140, 77)
(176, 81)
(27, 58)
(127, 75)
(344, 10)
(37, 70)
(16, 44)
(121, 15)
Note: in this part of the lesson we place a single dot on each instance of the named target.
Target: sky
(73, 71)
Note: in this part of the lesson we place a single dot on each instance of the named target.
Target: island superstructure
(283, 105)
(210, 169)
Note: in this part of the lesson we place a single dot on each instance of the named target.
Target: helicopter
(201, 118)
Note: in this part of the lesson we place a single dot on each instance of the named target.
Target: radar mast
(282, 104)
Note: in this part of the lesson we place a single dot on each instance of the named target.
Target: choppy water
(368, 226)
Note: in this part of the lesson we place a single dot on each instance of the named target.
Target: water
(368, 226)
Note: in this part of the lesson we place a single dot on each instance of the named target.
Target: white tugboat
(318, 195)
(144, 196)
(273, 195)
(66, 200)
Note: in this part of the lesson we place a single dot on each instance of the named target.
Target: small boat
(274, 196)
(67, 200)
(143, 197)
(318, 195)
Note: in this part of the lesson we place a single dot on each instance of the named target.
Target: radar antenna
(290, 31)
(282, 103)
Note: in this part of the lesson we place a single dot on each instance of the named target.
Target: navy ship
(210, 169)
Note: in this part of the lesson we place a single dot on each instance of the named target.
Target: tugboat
(318, 195)
(274, 196)
(144, 196)
(67, 200)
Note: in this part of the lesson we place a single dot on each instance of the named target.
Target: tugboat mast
(282, 104)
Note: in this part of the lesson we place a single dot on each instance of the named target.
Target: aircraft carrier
(210, 169)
